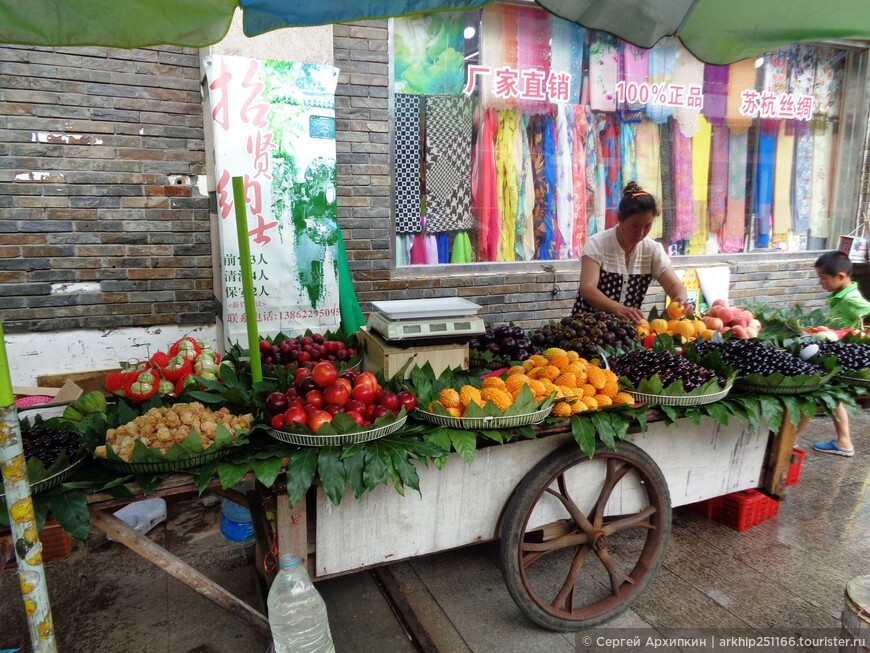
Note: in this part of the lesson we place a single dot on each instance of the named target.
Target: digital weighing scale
(425, 319)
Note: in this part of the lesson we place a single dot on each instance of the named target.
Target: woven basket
(477, 423)
(306, 440)
(854, 380)
(165, 466)
(680, 400)
(776, 390)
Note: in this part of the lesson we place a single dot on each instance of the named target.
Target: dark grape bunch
(644, 364)
(584, 332)
(507, 342)
(752, 357)
(850, 356)
(47, 444)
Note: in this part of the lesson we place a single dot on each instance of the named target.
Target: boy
(847, 309)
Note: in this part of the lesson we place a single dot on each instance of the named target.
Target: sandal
(831, 447)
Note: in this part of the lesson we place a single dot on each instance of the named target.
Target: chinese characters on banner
(526, 84)
(765, 104)
(690, 96)
(274, 126)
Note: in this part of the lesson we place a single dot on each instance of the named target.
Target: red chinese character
(676, 95)
(506, 79)
(532, 86)
(768, 105)
(804, 107)
(260, 110)
(259, 232)
(221, 112)
(472, 73)
(225, 199)
(695, 100)
(255, 198)
(749, 103)
(786, 106)
(559, 87)
(260, 149)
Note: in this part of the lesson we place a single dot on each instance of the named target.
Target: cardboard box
(381, 355)
(69, 392)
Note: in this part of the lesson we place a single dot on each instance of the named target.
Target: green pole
(247, 278)
(22, 519)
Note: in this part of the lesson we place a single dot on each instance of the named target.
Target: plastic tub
(236, 523)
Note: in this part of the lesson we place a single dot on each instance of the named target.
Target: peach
(720, 302)
(751, 332)
(755, 324)
(713, 323)
(740, 331)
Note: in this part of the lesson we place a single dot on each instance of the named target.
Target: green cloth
(348, 305)
(461, 248)
(848, 307)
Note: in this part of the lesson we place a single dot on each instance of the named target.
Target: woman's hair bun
(632, 187)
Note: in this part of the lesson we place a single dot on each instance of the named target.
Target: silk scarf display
(593, 150)
(782, 177)
(525, 238)
(741, 77)
(764, 182)
(448, 163)
(407, 157)
(662, 61)
(684, 194)
(566, 53)
(734, 230)
(507, 182)
(803, 74)
(634, 69)
(578, 181)
(649, 169)
(666, 157)
(688, 71)
(602, 71)
(627, 152)
(702, 143)
(612, 171)
(564, 125)
(533, 50)
(543, 150)
(718, 199)
(498, 49)
(715, 93)
(429, 54)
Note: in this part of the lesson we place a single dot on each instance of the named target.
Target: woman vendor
(618, 264)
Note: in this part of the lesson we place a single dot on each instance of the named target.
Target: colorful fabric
(662, 62)
(627, 151)
(803, 178)
(566, 52)
(461, 248)
(498, 49)
(612, 171)
(564, 125)
(594, 172)
(403, 249)
(820, 192)
(764, 182)
(684, 194)
(418, 250)
(718, 199)
(776, 72)
(407, 157)
(634, 69)
(603, 57)
(430, 244)
(740, 78)
(803, 70)
(702, 143)
(715, 93)
(688, 71)
(782, 176)
(847, 308)
(827, 83)
(448, 163)
(649, 167)
(578, 181)
(484, 185)
(543, 150)
(507, 182)
(428, 57)
(533, 48)
(525, 230)
(668, 201)
(443, 241)
(600, 196)
(734, 229)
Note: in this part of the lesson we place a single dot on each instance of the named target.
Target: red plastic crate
(709, 508)
(740, 510)
(767, 509)
(794, 468)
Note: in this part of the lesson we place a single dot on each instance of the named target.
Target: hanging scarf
(634, 69)
(740, 78)
(776, 72)
(602, 71)
(448, 163)
(430, 243)
(684, 194)
(688, 71)
(662, 62)
(764, 182)
(702, 143)
(486, 197)
(715, 93)
(578, 181)
(627, 151)
(461, 248)
(734, 230)
(649, 167)
(612, 172)
(407, 154)
(593, 152)
(666, 156)
(823, 139)
(566, 52)
(803, 74)
(533, 47)
(564, 125)
(600, 173)
(443, 241)
(782, 183)
(718, 178)
(507, 180)
(418, 250)
(828, 82)
(525, 230)
(498, 49)
(543, 149)
(403, 249)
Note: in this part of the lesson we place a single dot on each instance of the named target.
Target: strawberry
(177, 368)
(144, 387)
(160, 359)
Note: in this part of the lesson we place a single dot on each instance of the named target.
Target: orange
(675, 310)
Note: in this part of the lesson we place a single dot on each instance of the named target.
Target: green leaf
(464, 442)
(441, 438)
(300, 474)
(331, 472)
(640, 417)
(496, 436)
(693, 414)
(771, 411)
(266, 470)
(231, 473)
(376, 468)
(353, 468)
(406, 470)
(603, 429)
(718, 412)
(202, 476)
(70, 509)
(223, 437)
(584, 433)
(670, 413)
(344, 423)
(793, 409)
(204, 397)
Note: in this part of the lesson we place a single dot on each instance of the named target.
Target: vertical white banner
(274, 126)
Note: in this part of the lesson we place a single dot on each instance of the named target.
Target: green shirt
(848, 307)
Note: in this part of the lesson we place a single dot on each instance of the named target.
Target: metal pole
(28, 548)
(247, 278)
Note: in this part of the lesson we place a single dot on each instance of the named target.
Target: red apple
(315, 398)
(336, 393)
(307, 340)
(356, 417)
(408, 400)
(318, 338)
(354, 405)
(296, 403)
(305, 386)
(277, 421)
(276, 403)
(350, 375)
(297, 415)
(317, 419)
(265, 346)
(332, 409)
(379, 411)
(363, 393)
(324, 374)
(367, 378)
(390, 400)
(303, 357)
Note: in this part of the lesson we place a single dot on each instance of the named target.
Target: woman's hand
(628, 313)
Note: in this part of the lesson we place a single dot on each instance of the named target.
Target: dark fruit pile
(642, 364)
(48, 444)
(752, 357)
(850, 356)
(506, 342)
(584, 332)
(307, 351)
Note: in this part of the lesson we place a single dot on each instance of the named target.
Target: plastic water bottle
(297, 613)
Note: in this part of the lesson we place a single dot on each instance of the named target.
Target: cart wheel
(565, 514)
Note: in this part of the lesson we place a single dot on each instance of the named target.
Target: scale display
(411, 329)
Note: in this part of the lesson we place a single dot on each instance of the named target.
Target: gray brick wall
(88, 139)
(527, 296)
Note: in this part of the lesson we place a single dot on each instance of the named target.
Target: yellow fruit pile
(577, 385)
(687, 328)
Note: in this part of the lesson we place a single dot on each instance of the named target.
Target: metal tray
(165, 466)
(55, 479)
(313, 440)
(477, 423)
(680, 400)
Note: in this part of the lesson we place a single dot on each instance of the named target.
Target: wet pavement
(788, 574)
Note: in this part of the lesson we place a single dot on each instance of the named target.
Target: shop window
(515, 132)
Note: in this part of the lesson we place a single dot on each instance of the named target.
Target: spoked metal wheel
(582, 538)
